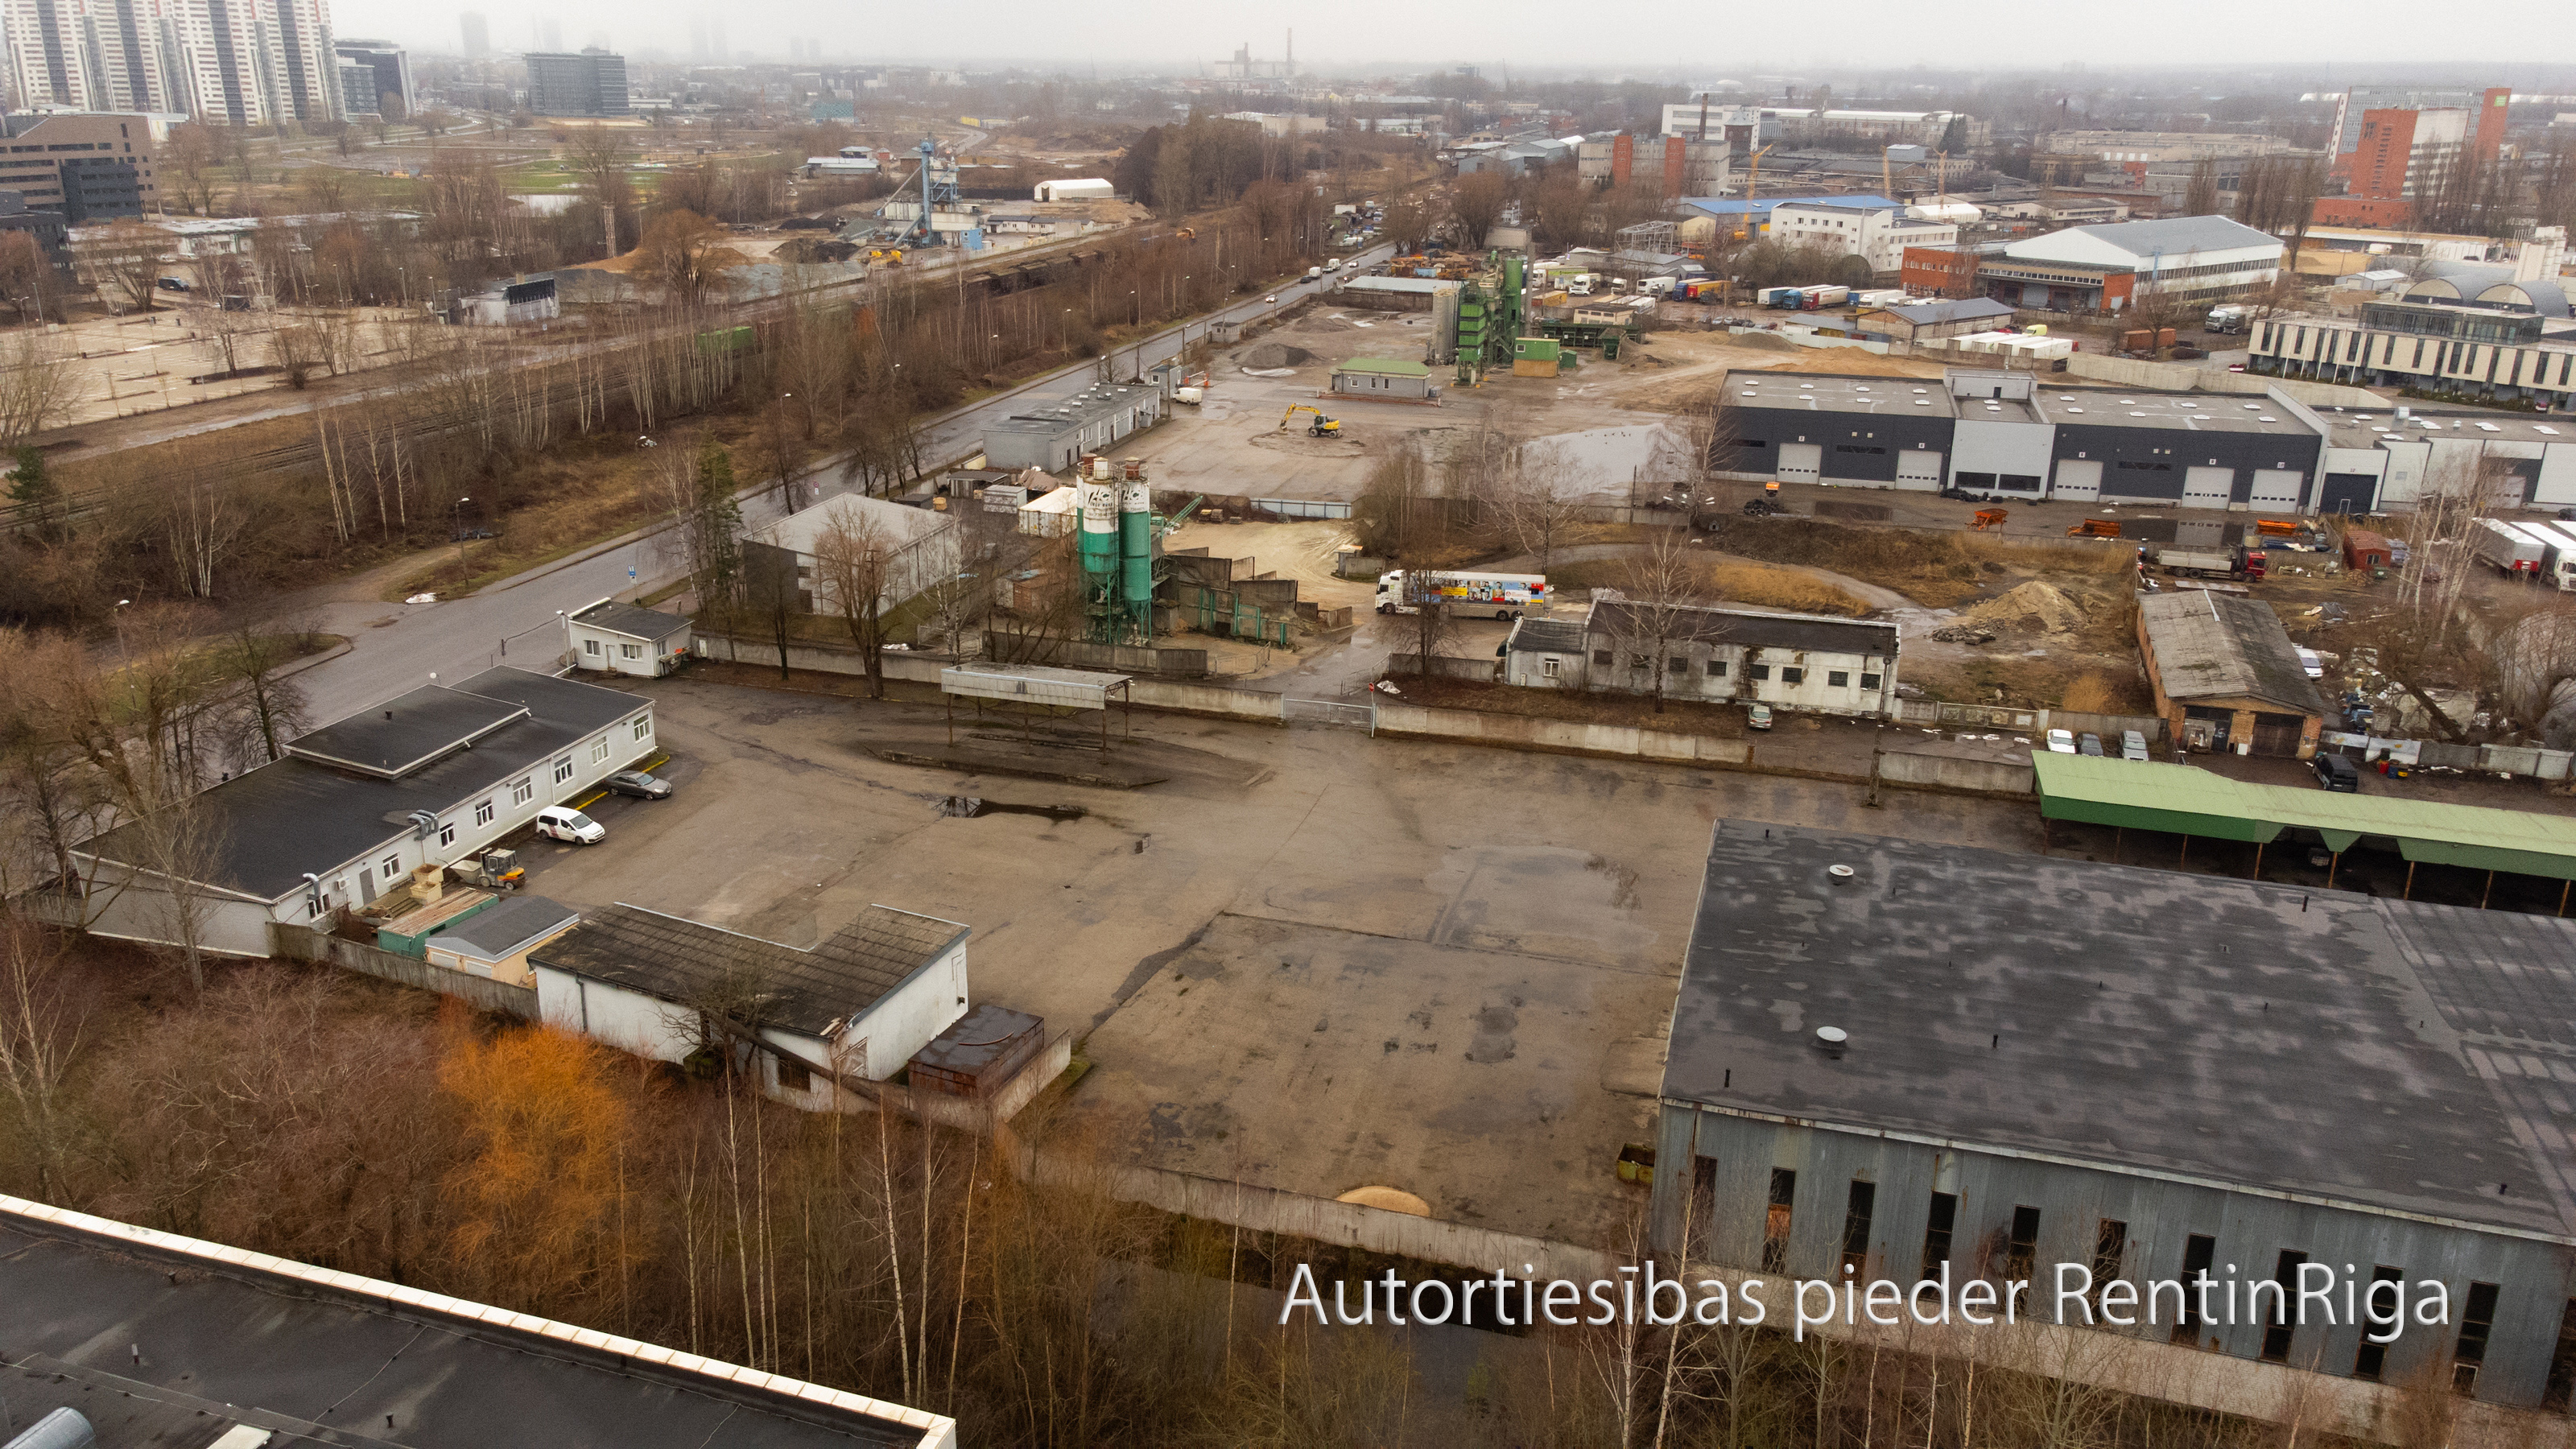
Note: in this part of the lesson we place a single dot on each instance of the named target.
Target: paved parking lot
(1311, 958)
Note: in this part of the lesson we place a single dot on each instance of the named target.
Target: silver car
(2133, 745)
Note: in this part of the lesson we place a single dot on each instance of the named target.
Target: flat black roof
(632, 620)
(801, 990)
(229, 1337)
(294, 815)
(2378, 1053)
(404, 733)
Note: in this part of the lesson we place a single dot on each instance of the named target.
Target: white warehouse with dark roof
(432, 777)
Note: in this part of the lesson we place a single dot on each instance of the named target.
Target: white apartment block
(224, 62)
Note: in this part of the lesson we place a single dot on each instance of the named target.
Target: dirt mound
(2036, 607)
(1852, 361)
(1760, 342)
(1276, 354)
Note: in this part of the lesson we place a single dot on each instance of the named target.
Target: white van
(562, 822)
(1334, 265)
(1580, 286)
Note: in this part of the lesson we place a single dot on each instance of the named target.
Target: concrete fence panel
(1950, 772)
(1512, 731)
(297, 943)
(1446, 666)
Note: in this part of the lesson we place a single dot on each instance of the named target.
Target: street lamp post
(456, 525)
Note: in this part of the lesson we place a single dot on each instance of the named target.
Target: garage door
(2207, 487)
(2277, 735)
(2079, 479)
(2276, 490)
(1919, 470)
(1799, 461)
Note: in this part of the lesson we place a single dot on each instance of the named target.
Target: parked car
(562, 822)
(638, 784)
(2061, 742)
(1758, 716)
(2337, 772)
(471, 531)
(2089, 743)
(2309, 661)
(2133, 745)
(171, 284)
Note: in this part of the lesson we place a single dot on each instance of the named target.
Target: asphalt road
(395, 647)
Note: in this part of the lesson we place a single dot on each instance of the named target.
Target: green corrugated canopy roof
(2183, 800)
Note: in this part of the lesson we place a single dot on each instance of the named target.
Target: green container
(1534, 349)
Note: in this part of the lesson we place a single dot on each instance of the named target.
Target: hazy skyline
(1350, 37)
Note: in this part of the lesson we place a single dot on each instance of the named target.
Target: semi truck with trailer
(2233, 562)
(2557, 552)
(1503, 596)
(2504, 546)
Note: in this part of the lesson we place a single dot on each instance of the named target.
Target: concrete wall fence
(299, 943)
(1523, 732)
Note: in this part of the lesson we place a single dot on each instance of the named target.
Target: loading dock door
(1799, 462)
(2348, 493)
(2079, 479)
(1920, 471)
(2207, 487)
(2276, 490)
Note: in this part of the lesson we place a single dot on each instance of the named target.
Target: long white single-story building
(1789, 661)
(857, 1004)
(426, 779)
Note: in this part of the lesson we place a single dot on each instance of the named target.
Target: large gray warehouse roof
(223, 1337)
(801, 989)
(2382, 1054)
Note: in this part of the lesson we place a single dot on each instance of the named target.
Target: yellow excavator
(1321, 427)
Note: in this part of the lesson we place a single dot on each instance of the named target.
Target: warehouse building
(2226, 676)
(1383, 377)
(1927, 1061)
(1052, 436)
(239, 1349)
(2387, 462)
(2006, 435)
(1932, 321)
(1691, 651)
(853, 1008)
(421, 781)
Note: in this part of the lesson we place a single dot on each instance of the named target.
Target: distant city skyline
(1344, 37)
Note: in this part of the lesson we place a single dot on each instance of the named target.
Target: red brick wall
(1676, 155)
(2379, 162)
(2390, 212)
(1623, 158)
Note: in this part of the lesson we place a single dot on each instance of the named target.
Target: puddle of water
(974, 807)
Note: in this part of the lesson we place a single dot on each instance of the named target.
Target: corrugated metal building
(2051, 1067)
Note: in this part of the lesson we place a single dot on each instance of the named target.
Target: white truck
(1502, 595)
(2228, 318)
(2557, 552)
(2505, 546)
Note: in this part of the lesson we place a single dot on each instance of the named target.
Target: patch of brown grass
(1938, 570)
(1726, 582)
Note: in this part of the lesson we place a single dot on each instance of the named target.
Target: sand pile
(1277, 354)
(2036, 607)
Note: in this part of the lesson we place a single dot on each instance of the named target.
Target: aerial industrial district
(707, 751)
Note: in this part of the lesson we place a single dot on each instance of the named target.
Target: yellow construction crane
(1322, 427)
(1753, 188)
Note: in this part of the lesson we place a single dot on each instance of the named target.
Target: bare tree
(1662, 604)
(854, 562)
(45, 1005)
(599, 157)
(34, 385)
(269, 705)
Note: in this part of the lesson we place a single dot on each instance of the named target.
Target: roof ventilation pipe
(423, 825)
(1832, 1039)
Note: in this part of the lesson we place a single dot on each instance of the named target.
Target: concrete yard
(1311, 959)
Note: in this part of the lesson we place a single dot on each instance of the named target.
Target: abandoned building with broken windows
(1896, 1060)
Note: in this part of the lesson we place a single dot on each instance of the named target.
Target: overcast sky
(1370, 37)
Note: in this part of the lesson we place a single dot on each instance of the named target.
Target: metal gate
(2208, 487)
(1331, 713)
(1800, 462)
